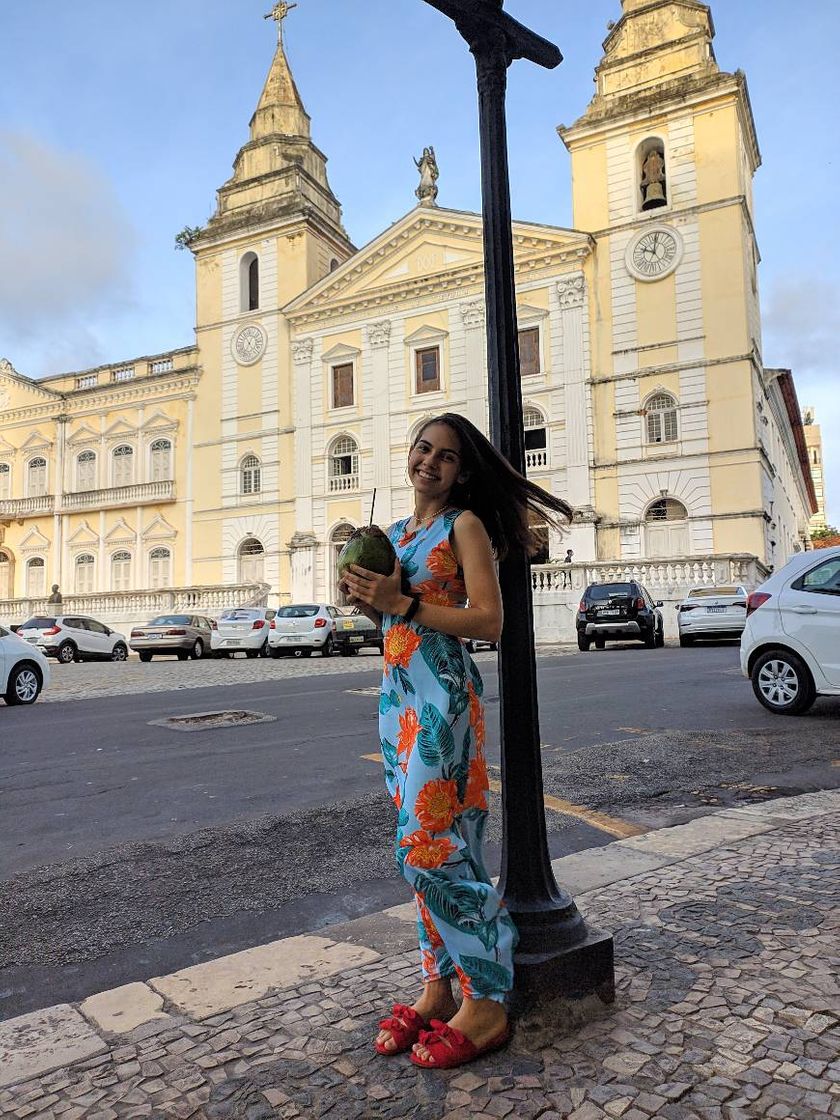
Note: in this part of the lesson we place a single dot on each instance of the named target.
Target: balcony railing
(534, 460)
(342, 482)
(17, 508)
(140, 494)
(660, 575)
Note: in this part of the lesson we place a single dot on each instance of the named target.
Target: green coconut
(370, 548)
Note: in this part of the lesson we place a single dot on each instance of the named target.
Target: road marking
(611, 825)
(635, 730)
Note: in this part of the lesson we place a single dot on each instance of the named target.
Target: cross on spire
(278, 13)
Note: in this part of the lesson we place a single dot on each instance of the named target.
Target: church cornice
(272, 220)
(93, 401)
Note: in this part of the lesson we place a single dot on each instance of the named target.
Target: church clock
(654, 253)
(249, 344)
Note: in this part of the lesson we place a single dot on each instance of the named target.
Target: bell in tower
(653, 180)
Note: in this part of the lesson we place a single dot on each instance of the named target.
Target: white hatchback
(790, 648)
(74, 637)
(24, 671)
(242, 629)
(712, 612)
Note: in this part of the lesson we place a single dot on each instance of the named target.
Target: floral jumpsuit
(431, 727)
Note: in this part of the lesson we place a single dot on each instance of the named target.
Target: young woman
(470, 508)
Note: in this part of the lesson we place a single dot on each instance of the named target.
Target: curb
(40, 1042)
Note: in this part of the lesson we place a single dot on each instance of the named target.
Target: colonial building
(813, 441)
(235, 468)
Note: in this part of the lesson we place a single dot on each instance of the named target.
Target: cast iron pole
(556, 949)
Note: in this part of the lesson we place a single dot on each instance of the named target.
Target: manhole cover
(210, 721)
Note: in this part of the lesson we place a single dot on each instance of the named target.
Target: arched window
(121, 571)
(249, 282)
(36, 477)
(653, 188)
(661, 416)
(83, 583)
(5, 481)
(122, 458)
(161, 460)
(86, 470)
(36, 582)
(540, 531)
(160, 568)
(251, 561)
(536, 442)
(250, 475)
(666, 529)
(6, 576)
(344, 464)
(340, 535)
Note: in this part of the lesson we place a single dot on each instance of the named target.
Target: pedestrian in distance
(567, 570)
(471, 508)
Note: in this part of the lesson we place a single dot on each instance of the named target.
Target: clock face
(654, 253)
(249, 344)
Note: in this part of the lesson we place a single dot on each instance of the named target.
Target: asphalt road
(129, 849)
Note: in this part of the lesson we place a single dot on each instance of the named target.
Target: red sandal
(449, 1048)
(406, 1026)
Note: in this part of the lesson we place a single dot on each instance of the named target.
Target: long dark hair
(497, 494)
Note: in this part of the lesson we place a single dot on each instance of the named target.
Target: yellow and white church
(231, 470)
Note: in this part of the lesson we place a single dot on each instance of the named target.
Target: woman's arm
(481, 619)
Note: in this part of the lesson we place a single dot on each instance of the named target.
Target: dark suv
(619, 612)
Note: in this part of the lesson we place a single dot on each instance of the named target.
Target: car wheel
(600, 643)
(182, 655)
(197, 650)
(650, 640)
(684, 641)
(144, 656)
(24, 685)
(583, 643)
(328, 648)
(66, 653)
(275, 652)
(264, 649)
(782, 683)
(660, 639)
(119, 652)
(381, 647)
(252, 653)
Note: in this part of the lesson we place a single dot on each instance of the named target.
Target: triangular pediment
(18, 391)
(527, 313)
(425, 334)
(84, 535)
(159, 530)
(36, 441)
(429, 249)
(341, 353)
(120, 428)
(160, 422)
(34, 541)
(121, 533)
(83, 434)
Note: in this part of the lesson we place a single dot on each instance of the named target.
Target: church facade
(233, 469)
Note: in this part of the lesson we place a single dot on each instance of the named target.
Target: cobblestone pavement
(90, 680)
(726, 960)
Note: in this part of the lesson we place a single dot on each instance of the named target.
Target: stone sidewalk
(726, 938)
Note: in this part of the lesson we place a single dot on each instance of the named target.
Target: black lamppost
(558, 953)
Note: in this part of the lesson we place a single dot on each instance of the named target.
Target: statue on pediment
(427, 191)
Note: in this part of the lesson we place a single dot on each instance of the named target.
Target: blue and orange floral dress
(431, 727)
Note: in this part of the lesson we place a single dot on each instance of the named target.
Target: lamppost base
(572, 972)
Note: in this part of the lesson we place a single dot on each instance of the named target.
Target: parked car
(299, 628)
(354, 630)
(186, 635)
(24, 671)
(242, 628)
(619, 612)
(475, 645)
(712, 612)
(74, 638)
(790, 648)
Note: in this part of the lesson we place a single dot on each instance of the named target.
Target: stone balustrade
(343, 482)
(139, 494)
(18, 508)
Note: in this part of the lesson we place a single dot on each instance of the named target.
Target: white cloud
(65, 244)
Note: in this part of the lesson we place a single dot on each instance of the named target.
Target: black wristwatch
(412, 610)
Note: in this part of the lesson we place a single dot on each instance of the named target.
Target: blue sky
(119, 121)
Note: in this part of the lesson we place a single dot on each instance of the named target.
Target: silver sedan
(712, 612)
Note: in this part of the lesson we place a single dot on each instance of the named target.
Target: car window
(822, 580)
(3, 633)
(39, 622)
(243, 614)
(171, 620)
(600, 591)
(714, 592)
(74, 623)
(298, 610)
(270, 614)
(96, 627)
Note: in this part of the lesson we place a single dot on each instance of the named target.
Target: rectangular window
(87, 381)
(529, 351)
(427, 368)
(342, 385)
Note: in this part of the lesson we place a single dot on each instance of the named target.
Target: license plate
(34, 640)
(347, 625)
(356, 638)
(715, 610)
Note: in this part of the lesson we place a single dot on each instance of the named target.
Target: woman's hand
(383, 593)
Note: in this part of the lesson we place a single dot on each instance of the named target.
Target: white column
(379, 339)
(188, 496)
(302, 354)
(571, 295)
(472, 318)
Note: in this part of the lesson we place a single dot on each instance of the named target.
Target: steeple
(279, 175)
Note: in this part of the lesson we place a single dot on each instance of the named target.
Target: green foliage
(824, 534)
(185, 238)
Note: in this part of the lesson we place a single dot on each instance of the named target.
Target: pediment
(34, 541)
(425, 334)
(429, 249)
(18, 391)
(83, 434)
(6, 448)
(526, 313)
(159, 530)
(120, 428)
(341, 353)
(160, 422)
(120, 533)
(84, 535)
(36, 441)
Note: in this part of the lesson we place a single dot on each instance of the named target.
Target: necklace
(420, 522)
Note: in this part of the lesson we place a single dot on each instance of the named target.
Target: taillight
(320, 622)
(213, 624)
(258, 625)
(684, 607)
(640, 604)
(582, 607)
(52, 631)
(756, 600)
(138, 633)
(176, 633)
(272, 625)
